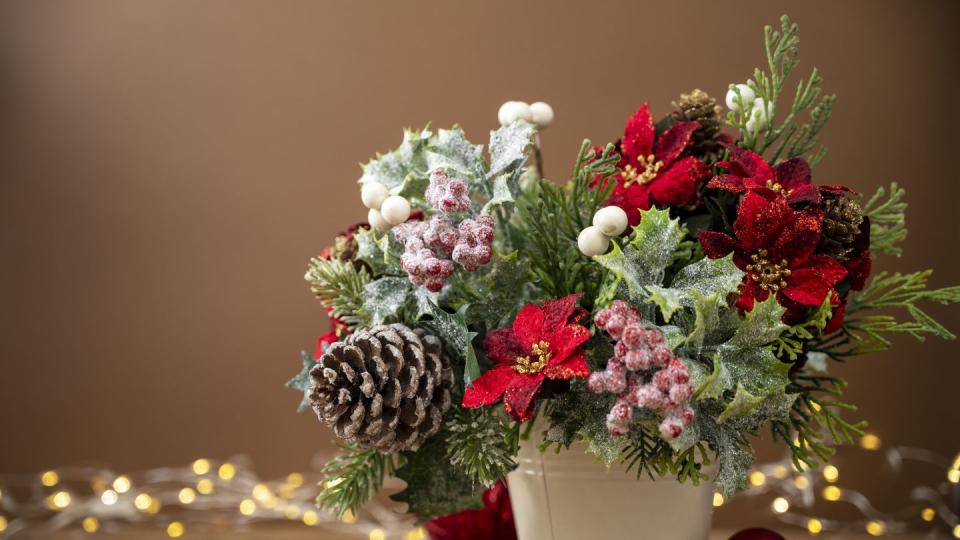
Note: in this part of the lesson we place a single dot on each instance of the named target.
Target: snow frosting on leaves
(385, 297)
(646, 254)
(501, 292)
(303, 382)
(707, 278)
(508, 147)
(393, 168)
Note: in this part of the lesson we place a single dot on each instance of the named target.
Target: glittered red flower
(323, 341)
(747, 171)
(775, 245)
(655, 170)
(543, 343)
(494, 520)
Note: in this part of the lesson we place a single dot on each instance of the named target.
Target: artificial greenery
(478, 443)
(341, 287)
(886, 210)
(353, 478)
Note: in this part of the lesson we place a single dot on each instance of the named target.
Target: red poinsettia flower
(654, 170)
(324, 340)
(543, 343)
(747, 171)
(775, 246)
(494, 520)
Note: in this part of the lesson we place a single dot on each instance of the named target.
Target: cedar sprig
(353, 478)
(478, 442)
(649, 454)
(888, 227)
(339, 285)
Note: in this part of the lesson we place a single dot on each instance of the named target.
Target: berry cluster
(430, 245)
(643, 372)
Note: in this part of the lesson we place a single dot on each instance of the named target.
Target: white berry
(542, 114)
(751, 125)
(375, 219)
(762, 111)
(372, 194)
(512, 111)
(746, 97)
(395, 209)
(592, 242)
(611, 220)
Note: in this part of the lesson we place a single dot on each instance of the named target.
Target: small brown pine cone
(385, 387)
(842, 216)
(698, 106)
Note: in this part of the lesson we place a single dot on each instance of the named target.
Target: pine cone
(842, 216)
(385, 387)
(344, 247)
(700, 107)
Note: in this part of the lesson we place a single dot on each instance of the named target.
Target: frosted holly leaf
(757, 369)
(735, 461)
(391, 169)
(508, 147)
(709, 384)
(452, 330)
(450, 150)
(506, 188)
(760, 326)
(435, 489)
(646, 254)
(378, 252)
(774, 407)
(706, 317)
(385, 297)
(706, 277)
(606, 447)
(303, 382)
(501, 291)
(742, 404)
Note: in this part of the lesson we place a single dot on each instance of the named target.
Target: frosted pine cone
(842, 217)
(698, 106)
(385, 387)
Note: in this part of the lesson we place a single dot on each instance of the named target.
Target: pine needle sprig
(353, 478)
(339, 285)
(888, 227)
(478, 443)
(789, 138)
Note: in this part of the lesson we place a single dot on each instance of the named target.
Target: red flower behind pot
(747, 171)
(543, 343)
(775, 245)
(493, 521)
(654, 170)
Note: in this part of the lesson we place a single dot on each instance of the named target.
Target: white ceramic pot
(571, 496)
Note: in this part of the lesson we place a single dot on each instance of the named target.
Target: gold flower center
(769, 275)
(777, 187)
(646, 170)
(526, 365)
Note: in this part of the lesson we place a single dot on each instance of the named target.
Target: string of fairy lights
(202, 496)
(208, 495)
(795, 494)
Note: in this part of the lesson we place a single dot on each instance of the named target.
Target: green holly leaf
(706, 277)
(761, 326)
(501, 292)
(435, 487)
(451, 151)
(378, 251)
(385, 297)
(452, 330)
(392, 169)
(303, 382)
(508, 147)
(743, 403)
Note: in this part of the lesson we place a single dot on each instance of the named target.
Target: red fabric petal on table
(798, 239)
(572, 366)
(518, 400)
(806, 286)
(677, 186)
(487, 389)
(502, 346)
(831, 271)
(674, 141)
(638, 135)
(528, 327)
(558, 312)
(727, 182)
(716, 244)
(793, 173)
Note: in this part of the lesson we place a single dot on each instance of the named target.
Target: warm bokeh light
(291, 512)
(870, 442)
(928, 514)
(295, 479)
(378, 534)
(59, 500)
(801, 482)
(205, 486)
(956, 531)
(717, 499)
(49, 478)
(109, 497)
(261, 492)
(187, 495)
(831, 493)
(814, 526)
(348, 516)
(91, 524)
(780, 505)
(953, 475)
(175, 529)
(876, 528)
(122, 484)
(831, 473)
(757, 478)
(226, 471)
(201, 466)
(248, 507)
(3, 524)
(310, 518)
(142, 502)
(779, 472)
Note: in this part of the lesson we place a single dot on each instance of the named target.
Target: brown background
(168, 168)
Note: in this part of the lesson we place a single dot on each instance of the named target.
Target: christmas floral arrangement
(685, 288)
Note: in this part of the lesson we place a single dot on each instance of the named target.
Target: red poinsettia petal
(574, 365)
(747, 163)
(518, 400)
(487, 389)
(836, 189)
(502, 346)
(808, 193)
(749, 293)
(529, 327)
(727, 182)
(836, 319)
(831, 271)
(798, 239)
(806, 286)
(858, 270)
(558, 312)
(677, 185)
(638, 135)
(793, 173)
(716, 244)
(674, 141)
(760, 218)
(326, 339)
(565, 339)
